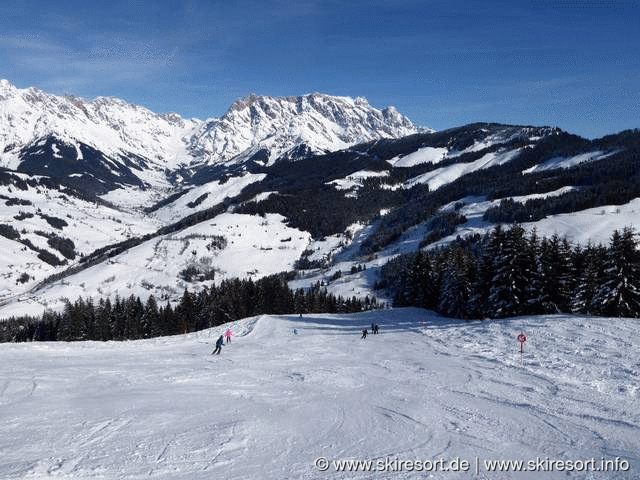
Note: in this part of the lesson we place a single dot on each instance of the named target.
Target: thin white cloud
(107, 60)
(33, 43)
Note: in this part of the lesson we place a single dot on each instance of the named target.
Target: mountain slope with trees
(75, 199)
(511, 273)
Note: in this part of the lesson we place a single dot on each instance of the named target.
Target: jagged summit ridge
(278, 125)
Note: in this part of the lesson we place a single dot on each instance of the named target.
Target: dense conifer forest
(509, 272)
(130, 318)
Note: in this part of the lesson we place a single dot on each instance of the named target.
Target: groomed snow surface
(290, 389)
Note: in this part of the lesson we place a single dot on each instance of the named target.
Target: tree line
(130, 318)
(509, 273)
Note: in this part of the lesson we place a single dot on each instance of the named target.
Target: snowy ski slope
(289, 390)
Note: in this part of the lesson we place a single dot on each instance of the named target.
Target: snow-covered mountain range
(35, 126)
(104, 197)
(107, 143)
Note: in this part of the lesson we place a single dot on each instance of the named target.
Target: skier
(219, 344)
(227, 335)
(364, 334)
(375, 329)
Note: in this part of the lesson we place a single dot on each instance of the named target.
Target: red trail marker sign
(522, 338)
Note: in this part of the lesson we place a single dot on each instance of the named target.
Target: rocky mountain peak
(278, 125)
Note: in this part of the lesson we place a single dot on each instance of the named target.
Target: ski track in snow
(287, 390)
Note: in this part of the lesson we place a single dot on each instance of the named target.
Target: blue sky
(443, 63)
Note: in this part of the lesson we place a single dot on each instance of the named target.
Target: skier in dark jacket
(364, 334)
(219, 344)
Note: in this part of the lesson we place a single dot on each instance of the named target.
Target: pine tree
(619, 295)
(555, 274)
(133, 311)
(535, 288)
(186, 312)
(169, 322)
(150, 319)
(512, 265)
(88, 319)
(590, 278)
(103, 316)
(418, 286)
(489, 251)
(455, 288)
(117, 319)
(67, 332)
(299, 304)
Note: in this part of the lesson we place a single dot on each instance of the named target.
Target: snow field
(568, 162)
(441, 176)
(422, 155)
(255, 247)
(214, 193)
(593, 225)
(89, 226)
(424, 388)
(356, 180)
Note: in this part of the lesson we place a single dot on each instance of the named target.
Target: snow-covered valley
(229, 246)
(288, 390)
